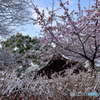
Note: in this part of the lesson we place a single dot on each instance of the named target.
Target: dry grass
(57, 88)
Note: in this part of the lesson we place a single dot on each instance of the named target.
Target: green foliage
(21, 43)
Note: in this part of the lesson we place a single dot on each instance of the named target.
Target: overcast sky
(42, 4)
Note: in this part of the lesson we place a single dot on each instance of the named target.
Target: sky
(32, 30)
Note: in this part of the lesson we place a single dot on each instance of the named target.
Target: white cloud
(37, 27)
(72, 2)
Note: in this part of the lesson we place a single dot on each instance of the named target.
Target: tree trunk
(91, 62)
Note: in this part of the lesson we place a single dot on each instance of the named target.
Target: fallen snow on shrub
(42, 88)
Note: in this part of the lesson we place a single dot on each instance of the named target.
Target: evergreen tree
(21, 43)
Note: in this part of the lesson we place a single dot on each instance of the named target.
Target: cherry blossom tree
(78, 37)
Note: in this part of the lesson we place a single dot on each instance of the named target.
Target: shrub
(57, 88)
